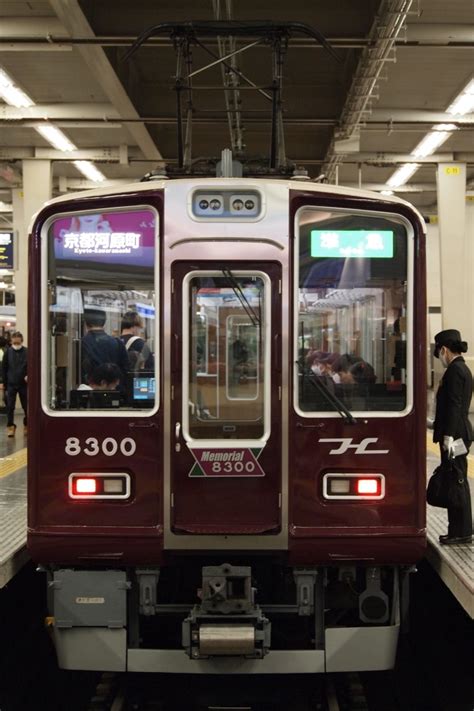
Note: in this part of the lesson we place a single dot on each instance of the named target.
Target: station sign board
(6, 250)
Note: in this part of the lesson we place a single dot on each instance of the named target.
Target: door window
(226, 355)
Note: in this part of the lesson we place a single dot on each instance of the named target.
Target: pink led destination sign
(125, 237)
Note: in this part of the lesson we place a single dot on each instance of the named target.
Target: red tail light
(368, 486)
(110, 485)
(85, 486)
(353, 486)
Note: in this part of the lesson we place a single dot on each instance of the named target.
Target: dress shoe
(443, 538)
(454, 540)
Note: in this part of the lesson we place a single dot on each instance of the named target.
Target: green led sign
(352, 243)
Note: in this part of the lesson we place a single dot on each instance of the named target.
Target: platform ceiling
(384, 91)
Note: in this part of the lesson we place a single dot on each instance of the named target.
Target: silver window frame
(215, 442)
(45, 331)
(362, 414)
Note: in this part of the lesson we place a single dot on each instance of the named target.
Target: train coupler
(227, 622)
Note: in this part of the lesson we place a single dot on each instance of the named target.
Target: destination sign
(112, 237)
(362, 244)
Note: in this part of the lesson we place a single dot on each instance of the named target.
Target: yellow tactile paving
(434, 449)
(12, 462)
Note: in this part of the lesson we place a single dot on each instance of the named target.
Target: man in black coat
(451, 423)
(98, 347)
(15, 379)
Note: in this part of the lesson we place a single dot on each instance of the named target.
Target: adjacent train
(252, 498)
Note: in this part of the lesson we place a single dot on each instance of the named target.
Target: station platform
(13, 553)
(454, 564)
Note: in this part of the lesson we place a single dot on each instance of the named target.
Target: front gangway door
(226, 424)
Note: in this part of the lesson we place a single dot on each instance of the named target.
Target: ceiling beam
(74, 20)
(38, 27)
(109, 115)
(112, 154)
(51, 112)
(25, 33)
(95, 154)
(432, 33)
(388, 115)
(36, 35)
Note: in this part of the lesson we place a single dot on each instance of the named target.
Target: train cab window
(226, 355)
(100, 311)
(352, 312)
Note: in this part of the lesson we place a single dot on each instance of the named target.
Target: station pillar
(456, 253)
(37, 187)
(21, 270)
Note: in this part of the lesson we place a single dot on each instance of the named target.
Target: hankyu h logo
(361, 448)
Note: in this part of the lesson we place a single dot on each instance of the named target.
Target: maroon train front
(251, 497)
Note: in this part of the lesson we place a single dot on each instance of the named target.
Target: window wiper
(254, 317)
(333, 400)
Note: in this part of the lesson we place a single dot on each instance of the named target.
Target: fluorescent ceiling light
(89, 170)
(464, 101)
(12, 94)
(56, 137)
(6, 207)
(402, 174)
(433, 140)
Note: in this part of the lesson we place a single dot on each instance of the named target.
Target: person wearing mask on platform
(98, 347)
(15, 380)
(452, 423)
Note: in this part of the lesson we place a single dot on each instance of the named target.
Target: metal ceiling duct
(389, 22)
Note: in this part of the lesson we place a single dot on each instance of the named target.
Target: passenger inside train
(101, 296)
(351, 315)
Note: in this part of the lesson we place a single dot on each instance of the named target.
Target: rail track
(132, 692)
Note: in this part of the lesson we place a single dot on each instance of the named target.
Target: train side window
(101, 330)
(353, 304)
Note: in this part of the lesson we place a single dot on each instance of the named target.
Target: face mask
(17, 348)
(316, 369)
(443, 359)
(336, 377)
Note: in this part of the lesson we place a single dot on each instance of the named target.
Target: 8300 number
(109, 446)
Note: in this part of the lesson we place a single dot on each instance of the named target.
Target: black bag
(437, 491)
(446, 486)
